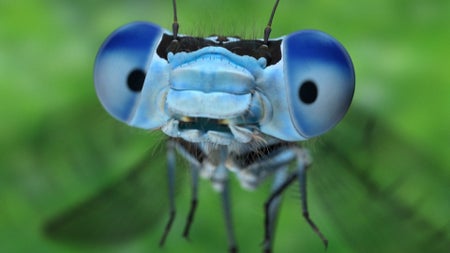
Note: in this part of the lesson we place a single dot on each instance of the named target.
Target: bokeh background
(380, 182)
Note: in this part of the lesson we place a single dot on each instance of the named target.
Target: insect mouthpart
(210, 130)
(204, 124)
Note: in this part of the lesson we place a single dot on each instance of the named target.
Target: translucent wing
(120, 212)
(124, 209)
(383, 193)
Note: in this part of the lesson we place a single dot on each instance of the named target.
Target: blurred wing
(120, 212)
(86, 151)
(383, 193)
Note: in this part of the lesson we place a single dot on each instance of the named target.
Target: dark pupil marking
(135, 80)
(308, 92)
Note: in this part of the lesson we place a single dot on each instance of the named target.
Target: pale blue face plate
(303, 95)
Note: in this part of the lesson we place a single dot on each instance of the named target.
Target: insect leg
(221, 182)
(194, 201)
(226, 205)
(272, 209)
(194, 155)
(303, 161)
(267, 206)
(171, 177)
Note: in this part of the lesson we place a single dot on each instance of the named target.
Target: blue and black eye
(320, 81)
(121, 67)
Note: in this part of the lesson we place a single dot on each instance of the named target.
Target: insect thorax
(251, 162)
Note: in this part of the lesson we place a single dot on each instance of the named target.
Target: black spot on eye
(135, 80)
(308, 92)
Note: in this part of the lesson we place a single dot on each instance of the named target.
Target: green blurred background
(381, 178)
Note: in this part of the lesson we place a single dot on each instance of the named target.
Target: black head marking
(254, 48)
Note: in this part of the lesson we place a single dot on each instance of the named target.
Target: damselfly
(228, 105)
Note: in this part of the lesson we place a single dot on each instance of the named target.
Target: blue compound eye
(320, 81)
(121, 67)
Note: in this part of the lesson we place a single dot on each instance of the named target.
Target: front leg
(226, 205)
(194, 201)
(272, 208)
(269, 217)
(303, 162)
(194, 155)
(171, 183)
(221, 183)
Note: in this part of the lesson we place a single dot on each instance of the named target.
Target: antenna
(175, 25)
(268, 28)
